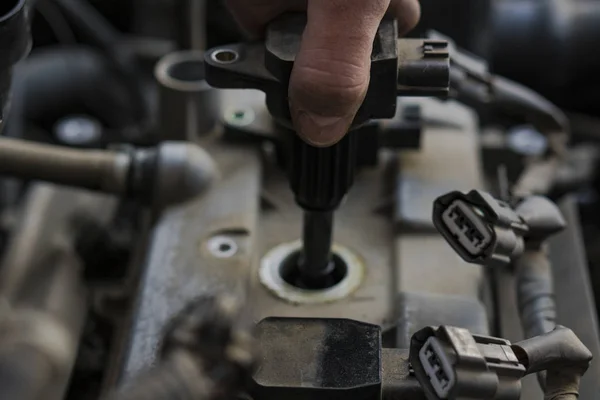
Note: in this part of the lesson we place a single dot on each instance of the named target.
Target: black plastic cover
(283, 43)
(320, 177)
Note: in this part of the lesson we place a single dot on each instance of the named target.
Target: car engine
(165, 234)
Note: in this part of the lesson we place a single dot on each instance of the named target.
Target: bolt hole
(291, 274)
(225, 56)
(222, 247)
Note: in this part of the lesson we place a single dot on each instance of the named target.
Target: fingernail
(320, 131)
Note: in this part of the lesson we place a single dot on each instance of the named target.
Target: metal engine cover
(225, 240)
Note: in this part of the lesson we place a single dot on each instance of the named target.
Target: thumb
(331, 72)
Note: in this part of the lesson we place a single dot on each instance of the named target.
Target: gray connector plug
(465, 222)
(437, 367)
(451, 363)
(487, 231)
(481, 229)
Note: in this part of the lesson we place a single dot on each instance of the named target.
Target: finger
(254, 15)
(408, 13)
(331, 73)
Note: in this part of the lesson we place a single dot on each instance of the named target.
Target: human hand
(332, 70)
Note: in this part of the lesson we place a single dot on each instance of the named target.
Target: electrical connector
(437, 367)
(487, 231)
(479, 228)
(451, 363)
(464, 222)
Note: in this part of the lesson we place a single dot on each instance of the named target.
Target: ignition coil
(321, 177)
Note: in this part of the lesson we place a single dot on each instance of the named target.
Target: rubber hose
(103, 34)
(562, 385)
(535, 293)
(96, 170)
(559, 358)
(91, 22)
(535, 297)
(58, 81)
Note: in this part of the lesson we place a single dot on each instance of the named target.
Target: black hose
(56, 21)
(102, 34)
(91, 23)
(58, 81)
(535, 293)
(207, 354)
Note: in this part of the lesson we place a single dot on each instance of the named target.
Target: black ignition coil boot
(451, 363)
(15, 43)
(481, 229)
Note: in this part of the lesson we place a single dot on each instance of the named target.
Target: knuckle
(328, 90)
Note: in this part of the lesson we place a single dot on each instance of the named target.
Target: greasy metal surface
(52, 213)
(42, 274)
(417, 310)
(180, 265)
(398, 381)
(448, 159)
(357, 226)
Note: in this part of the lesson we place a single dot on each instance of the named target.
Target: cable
(91, 23)
(101, 32)
(56, 21)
